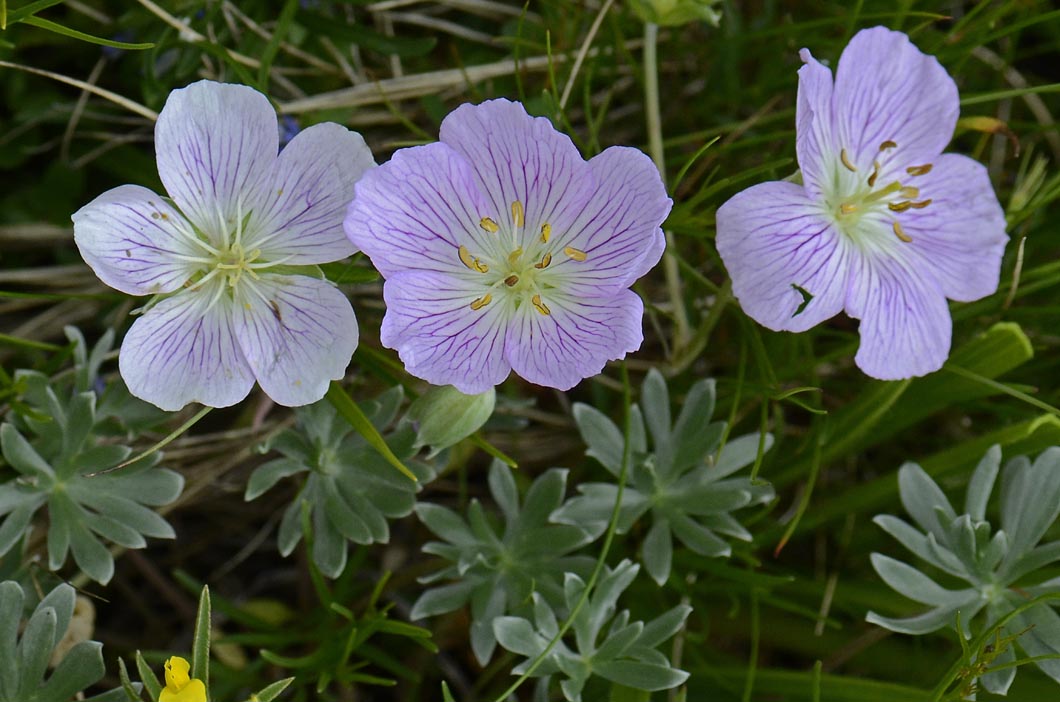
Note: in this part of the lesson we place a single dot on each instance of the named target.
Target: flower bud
(444, 415)
(672, 13)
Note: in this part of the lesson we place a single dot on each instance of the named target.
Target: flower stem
(601, 561)
(655, 148)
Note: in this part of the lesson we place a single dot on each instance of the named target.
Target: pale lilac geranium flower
(884, 225)
(231, 253)
(504, 250)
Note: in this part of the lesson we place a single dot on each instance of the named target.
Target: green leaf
(82, 36)
(80, 668)
(642, 676)
(982, 483)
(271, 692)
(131, 693)
(601, 436)
(446, 695)
(147, 676)
(200, 645)
(657, 551)
(353, 414)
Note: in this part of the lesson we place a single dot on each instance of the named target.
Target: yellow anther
(511, 281)
(920, 205)
(875, 173)
(887, 145)
(909, 192)
(900, 233)
(899, 206)
(470, 261)
(546, 232)
(847, 208)
(481, 302)
(517, 214)
(489, 225)
(540, 306)
(576, 254)
(919, 170)
(513, 257)
(846, 161)
(545, 260)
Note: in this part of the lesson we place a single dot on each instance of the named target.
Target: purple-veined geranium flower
(231, 253)
(504, 250)
(884, 225)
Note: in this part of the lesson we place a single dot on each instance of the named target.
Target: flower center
(521, 276)
(861, 196)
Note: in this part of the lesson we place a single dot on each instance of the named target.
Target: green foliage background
(783, 619)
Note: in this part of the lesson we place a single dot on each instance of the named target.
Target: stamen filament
(883, 192)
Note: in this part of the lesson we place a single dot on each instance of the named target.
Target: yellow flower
(180, 687)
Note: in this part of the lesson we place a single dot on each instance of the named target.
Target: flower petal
(575, 339)
(772, 238)
(182, 350)
(905, 322)
(132, 239)
(886, 89)
(520, 158)
(312, 185)
(960, 237)
(439, 337)
(216, 143)
(297, 334)
(618, 228)
(414, 212)
(814, 140)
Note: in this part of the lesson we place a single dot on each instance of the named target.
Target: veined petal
(575, 339)
(905, 322)
(216, 143)
(772, 238)
(960, 237)
(312, 185)
(518, 158)
(417, 209)
(182, 350)
(886, 89)
(297, 334)
(439, 337)
(814, 138)
(618, 227)
(135, 241)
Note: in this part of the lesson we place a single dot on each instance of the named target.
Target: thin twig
(593, 29)
(101, 92)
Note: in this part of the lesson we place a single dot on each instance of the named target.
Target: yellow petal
(194, 691)
(177, 672)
